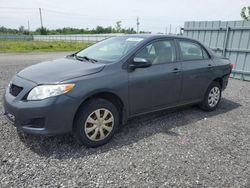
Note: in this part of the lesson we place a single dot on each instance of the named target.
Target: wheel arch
(219, 80)
(111, 97)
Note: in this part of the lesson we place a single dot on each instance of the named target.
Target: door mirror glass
(139, 62)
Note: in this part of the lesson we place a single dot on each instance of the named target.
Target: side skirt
(165, 108)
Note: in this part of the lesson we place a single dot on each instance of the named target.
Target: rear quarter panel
(221, 67)
(222, 70)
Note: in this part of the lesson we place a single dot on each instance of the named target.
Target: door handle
(176, 70)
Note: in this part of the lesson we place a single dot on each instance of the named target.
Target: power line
(80, 16)
(61, 12)
(20, 8)
(84, 15)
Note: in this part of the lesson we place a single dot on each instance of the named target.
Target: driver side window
(158, 52)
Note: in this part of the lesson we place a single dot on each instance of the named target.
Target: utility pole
(176, 30)
(137, 24)
(166, 30)
(170, 30)
(41, 18)
(28, 26)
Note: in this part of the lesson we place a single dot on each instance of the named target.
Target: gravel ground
(181, 148)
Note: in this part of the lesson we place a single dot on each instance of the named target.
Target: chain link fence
(90, 38)
(15, 37)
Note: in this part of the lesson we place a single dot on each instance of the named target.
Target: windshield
(111, 49)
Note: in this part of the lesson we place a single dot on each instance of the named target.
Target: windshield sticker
(134, 39)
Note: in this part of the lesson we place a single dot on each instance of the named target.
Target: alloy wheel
(214, 96)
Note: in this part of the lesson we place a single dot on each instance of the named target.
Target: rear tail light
(231, 66)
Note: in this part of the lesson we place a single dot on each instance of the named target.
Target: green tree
(68, 30)
(244, 15)
(42, 31)
(21, 29)
(118, 26)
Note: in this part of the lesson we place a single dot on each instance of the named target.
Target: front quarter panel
(111, 79)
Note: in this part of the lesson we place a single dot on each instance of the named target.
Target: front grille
(15, 90)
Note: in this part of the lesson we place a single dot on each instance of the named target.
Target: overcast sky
(154, 15)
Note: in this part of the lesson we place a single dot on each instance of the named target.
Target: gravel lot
(181, 148)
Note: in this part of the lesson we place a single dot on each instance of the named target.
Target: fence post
(225, 42)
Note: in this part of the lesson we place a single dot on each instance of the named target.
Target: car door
(159, 85)
(197, 70)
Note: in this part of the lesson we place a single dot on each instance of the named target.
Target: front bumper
(50, 116)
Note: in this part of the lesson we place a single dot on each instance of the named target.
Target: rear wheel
(212, 97)
(96, 122)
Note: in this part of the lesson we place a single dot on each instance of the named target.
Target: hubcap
(213, 96)
(99, 124)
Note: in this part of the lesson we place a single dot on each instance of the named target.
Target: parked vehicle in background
(92, 92)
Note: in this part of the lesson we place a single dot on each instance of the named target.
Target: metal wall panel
(230, 39)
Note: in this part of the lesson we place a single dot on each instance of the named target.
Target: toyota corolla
(92, 92)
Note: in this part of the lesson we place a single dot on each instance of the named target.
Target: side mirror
(139, 63)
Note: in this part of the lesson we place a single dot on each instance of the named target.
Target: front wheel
(96, 122)
(212, 97)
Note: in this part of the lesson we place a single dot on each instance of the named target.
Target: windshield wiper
(82, 58)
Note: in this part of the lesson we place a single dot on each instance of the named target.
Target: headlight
(8, 87)
(45, 91)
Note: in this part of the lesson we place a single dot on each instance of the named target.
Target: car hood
(59, 70)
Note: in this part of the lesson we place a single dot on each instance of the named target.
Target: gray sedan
(92, 92)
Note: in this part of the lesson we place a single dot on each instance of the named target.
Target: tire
(212, 97)
(92, 131)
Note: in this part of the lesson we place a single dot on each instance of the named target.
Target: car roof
(157, 36)
(152, 36)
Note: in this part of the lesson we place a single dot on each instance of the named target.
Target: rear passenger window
(192, 51)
